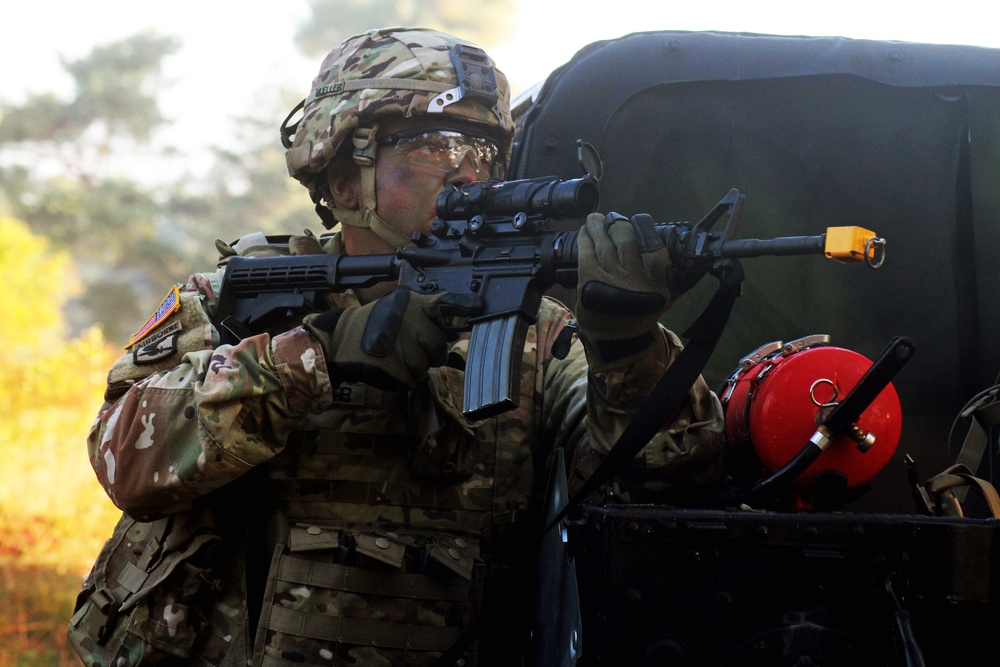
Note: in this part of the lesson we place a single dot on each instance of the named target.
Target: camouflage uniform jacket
(185, 416)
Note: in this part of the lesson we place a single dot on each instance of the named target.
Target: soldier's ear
(344, 180)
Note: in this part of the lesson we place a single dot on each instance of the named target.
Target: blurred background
(132, 135)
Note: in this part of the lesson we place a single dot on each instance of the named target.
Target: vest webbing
(363, 632)
(351, 479)
(356, 580)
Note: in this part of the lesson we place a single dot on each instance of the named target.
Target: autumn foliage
(53, 514)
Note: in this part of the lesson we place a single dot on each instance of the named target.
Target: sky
(231, 48)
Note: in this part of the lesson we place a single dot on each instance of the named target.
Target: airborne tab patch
(171, 304)
(159, 345)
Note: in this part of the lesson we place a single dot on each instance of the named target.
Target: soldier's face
(420, 160)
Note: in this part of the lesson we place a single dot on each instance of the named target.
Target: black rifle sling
(665, 402)
(667, 398)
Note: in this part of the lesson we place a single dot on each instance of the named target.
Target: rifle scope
(547, 196)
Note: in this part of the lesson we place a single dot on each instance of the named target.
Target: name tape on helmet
(383, 84)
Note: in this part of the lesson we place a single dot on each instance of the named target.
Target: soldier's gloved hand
(623, 284)
(392, 342)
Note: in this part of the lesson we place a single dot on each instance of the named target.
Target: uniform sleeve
(162, 440)
(587, 412)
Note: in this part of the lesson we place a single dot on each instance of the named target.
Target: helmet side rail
(496, 240)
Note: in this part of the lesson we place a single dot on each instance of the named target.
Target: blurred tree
(246, 191)
(115, 100)
(51, 384)
(331, 21)
(63, 161)
(54, 516)
(109, 226)
(57, 175)
(61, 172)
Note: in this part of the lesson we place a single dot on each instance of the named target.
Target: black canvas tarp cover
(900, 138)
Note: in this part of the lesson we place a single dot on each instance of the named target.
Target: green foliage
(111, 229)
(57, 177)
(245, 192)
(116, 89)
(117, 84)
(331, 21)
(132, 240)
(43, 118)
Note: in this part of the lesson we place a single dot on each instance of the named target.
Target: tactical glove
(624, 284)
(392, 342)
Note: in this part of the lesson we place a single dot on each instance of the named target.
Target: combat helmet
(402, 72)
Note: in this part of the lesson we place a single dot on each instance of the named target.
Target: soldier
(340, 507)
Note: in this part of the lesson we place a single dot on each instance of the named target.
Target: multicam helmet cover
(393, 72)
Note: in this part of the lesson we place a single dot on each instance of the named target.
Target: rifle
(496, 239)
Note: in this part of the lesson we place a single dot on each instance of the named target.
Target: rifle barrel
(784, 245)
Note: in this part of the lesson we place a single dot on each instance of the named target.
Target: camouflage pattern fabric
(158, 594)
(385, 66)
(376, 481)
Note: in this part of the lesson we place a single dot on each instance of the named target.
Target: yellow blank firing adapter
(854, 244)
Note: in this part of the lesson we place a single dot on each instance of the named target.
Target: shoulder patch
(158, 345)
(171, 304)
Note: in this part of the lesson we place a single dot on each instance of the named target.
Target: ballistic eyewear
(446, 149)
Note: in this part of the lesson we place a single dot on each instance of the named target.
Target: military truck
(891, 563)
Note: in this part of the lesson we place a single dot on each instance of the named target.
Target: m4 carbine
(496, 239)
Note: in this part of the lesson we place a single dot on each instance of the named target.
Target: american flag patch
(171, 304)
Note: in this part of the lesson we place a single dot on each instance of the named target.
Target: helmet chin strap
(364, 157)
